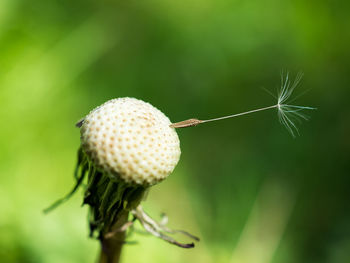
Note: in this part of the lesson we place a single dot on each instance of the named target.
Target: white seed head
(131, 140)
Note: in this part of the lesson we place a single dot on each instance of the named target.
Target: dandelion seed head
(132, 140)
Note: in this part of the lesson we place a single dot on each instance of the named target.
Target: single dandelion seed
(287, 113)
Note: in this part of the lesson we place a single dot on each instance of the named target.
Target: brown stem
(111, 246)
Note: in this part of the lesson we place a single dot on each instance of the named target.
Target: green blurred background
(245, 186)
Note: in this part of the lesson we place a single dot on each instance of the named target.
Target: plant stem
(111, 247)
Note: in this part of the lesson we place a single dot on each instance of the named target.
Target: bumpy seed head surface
(132, 140)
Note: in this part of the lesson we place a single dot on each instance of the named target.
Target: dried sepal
(159, 229)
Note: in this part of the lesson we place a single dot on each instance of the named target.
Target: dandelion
(127, 146)
(287, 113)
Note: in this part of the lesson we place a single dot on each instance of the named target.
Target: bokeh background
(251, 191)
